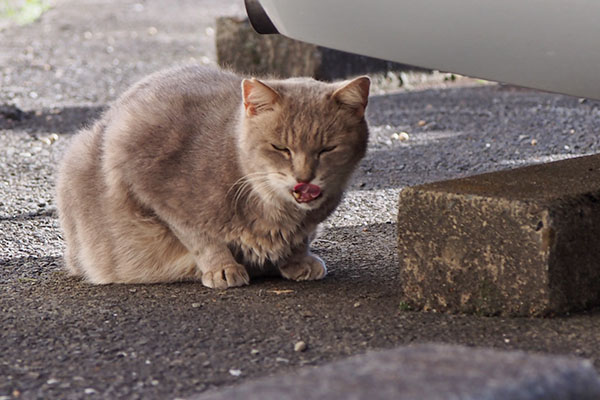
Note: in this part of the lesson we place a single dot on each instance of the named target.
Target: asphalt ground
(63, 338)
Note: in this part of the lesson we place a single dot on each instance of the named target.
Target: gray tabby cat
(196, 173)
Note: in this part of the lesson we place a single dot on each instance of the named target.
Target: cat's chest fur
(257, 240)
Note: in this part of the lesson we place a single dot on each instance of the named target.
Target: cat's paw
(308, 268)
(225, 277)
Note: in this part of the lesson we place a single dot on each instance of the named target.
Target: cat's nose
(304, 168)
(304, 176)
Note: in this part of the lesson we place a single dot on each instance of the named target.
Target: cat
(196, 173)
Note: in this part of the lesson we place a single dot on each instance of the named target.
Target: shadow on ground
(58, 120)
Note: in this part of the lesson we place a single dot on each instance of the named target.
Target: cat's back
(173, 118)
(191, 90)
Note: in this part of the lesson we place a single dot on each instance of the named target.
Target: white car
(551, 45)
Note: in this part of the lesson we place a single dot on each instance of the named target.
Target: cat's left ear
(258, 97)
(354, 94)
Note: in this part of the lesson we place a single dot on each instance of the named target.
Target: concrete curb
(518, 242)
(246, 52)
(430, 372)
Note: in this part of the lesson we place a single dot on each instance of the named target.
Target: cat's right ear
(258, 97)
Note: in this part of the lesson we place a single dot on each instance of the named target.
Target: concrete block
(518, 242)
(244, 51)
(429, 372)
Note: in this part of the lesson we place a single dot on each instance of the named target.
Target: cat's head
(301, 139)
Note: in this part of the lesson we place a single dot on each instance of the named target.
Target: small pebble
(52, 381)
(300, 346)
(254, 352)
(422, 123)
(533, 142)
(357, 304)
(402, 136)
(90, 391)
(282, 360)
(196, 305)
(235, 372)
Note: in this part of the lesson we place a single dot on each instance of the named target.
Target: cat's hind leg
(69, 234)
(144, 247)
(79, 192)
(70, 258)
(87, 253)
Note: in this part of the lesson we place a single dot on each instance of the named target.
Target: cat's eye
(282, 149)
(327, 150)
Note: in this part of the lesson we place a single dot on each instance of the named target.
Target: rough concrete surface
(516, 242)
(431, 372)
(62, 338)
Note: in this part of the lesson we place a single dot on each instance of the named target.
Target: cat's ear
(258, 97)
(354, 94)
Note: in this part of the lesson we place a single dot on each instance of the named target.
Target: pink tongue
(307, 191)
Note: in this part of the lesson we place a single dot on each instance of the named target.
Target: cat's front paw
(308, 268)
(225, 277)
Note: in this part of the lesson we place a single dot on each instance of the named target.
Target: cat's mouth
(306, 192)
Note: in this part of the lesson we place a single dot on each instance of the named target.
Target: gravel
(300, 346)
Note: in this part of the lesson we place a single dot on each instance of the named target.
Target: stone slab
(429, 372)
(241, 49)
(518, 242)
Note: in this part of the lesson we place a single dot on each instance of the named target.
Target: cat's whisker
(252, 184)
(242, 189)
(269, 193)
(242, 185)
(244, 178)
(261, 188)
(258, 184)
